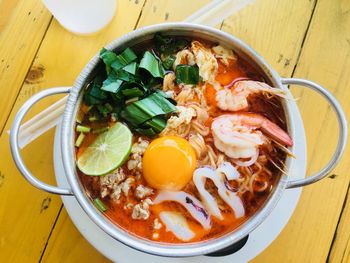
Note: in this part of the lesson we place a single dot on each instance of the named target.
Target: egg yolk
(169, 163)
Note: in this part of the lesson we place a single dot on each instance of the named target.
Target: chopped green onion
(131, 100)
(131, 68)
(79, 140)
(123, 59)
(91, 100)
(94, 95)
(97, 92)
(169, 45)
(112, 83)
(100, 205)
(117, 61)
(149, 132)
(93, 118)
(89, 108)
(127, 56)
(160, 98)
(152, 65)
(113, 87)
(134, 115)
(140, 111)
(133, 92)
(168, 62)
(108, 57)
(123, 75)
(126, 93)
(100, 130)
(109, 107)
(103, 110)
(157, 124)
(187, 74)
(84, 129)
(114, 117)
(80, 117)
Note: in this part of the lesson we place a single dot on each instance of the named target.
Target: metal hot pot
(68, 153)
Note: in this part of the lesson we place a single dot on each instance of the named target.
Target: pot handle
(14, 142)
(343, 131)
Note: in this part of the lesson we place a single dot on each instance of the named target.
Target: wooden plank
(325, 58)
(26, 214)
(22, 27)
(248, 21)
(250, 17)
(158, 11)
(66, 242)
(340, 250)
(268, 27)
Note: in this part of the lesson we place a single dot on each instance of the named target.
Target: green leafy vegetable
(94, 95)
(131, 68)
(156, 123)
(132, 93)
(100, 130)
(126, 57)
(134, 115)
(108, 58)
(112, 86)
(80, 139)
(169, 45)
(149, 132)
(168, 62)
(103, 110)
(152, 65)
(82, 128)
(100, 205)
(109, 107)
(116, 62)
(187, 74)
(129, 88)
(93, 118)
(148, 113)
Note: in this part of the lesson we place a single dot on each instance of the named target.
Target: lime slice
(109, 151)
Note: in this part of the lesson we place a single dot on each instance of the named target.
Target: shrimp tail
(276, 133)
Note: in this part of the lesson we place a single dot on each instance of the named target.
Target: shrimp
(236, 98)
(239, 135)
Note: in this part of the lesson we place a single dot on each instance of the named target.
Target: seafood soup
(179, 140)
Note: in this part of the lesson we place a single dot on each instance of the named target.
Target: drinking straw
(217, 11)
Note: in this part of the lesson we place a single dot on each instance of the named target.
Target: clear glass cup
(82, 16)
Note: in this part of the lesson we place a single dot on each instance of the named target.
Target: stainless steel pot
(68, 155)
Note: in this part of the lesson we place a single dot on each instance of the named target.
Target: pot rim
(67, 146)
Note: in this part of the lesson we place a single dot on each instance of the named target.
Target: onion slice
(191, 203)
(233, 82)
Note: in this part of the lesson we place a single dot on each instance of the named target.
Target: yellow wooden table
(309, 39)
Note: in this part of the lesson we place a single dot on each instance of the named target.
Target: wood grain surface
(305, 39)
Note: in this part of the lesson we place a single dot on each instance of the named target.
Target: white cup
(82, 16)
